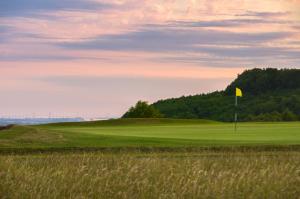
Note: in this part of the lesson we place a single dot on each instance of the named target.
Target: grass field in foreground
(151, 175)
(247, 173)
(150, 133)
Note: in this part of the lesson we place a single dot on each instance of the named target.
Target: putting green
(201, 133)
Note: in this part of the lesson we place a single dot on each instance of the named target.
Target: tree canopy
(142, 110)
(268, 95)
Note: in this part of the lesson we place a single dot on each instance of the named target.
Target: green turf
(150, 133)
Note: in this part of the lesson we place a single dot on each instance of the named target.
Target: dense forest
(268, 95)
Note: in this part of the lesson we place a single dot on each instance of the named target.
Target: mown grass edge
(263, 148)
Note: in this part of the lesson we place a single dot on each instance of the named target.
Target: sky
(96, 58)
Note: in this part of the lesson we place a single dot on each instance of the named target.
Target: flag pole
(236, 114)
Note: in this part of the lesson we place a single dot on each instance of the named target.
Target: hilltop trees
(269, 95)
(258, 81)
(142, 110)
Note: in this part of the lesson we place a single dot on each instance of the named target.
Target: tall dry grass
(156, 175)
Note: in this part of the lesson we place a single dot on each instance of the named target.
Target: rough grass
(24, 136)
(151, 175)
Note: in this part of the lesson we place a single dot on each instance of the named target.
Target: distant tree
(142, 110)
(288, 115)
(275, 116)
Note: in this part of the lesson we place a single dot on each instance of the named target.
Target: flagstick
(236, 114)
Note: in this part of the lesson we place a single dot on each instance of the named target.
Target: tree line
(269, 95)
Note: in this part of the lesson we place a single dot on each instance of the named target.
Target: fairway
(150, 133)
(247, 133)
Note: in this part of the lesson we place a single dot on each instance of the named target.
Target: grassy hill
(141, 133)
(269, 95)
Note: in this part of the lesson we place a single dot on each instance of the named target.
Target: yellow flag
(238, 92)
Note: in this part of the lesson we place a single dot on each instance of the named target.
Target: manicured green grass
(150, 133)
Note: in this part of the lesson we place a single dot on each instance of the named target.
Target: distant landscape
(29, 121)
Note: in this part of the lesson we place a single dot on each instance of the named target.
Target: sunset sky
(95, 58)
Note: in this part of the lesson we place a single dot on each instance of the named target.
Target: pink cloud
(29, 52)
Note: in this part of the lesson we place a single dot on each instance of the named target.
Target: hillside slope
(269, 95)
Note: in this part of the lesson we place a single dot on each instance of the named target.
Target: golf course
(150, 158)
(140, 99)
(150, 133)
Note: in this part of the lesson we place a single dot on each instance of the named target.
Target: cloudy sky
(98, 57)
